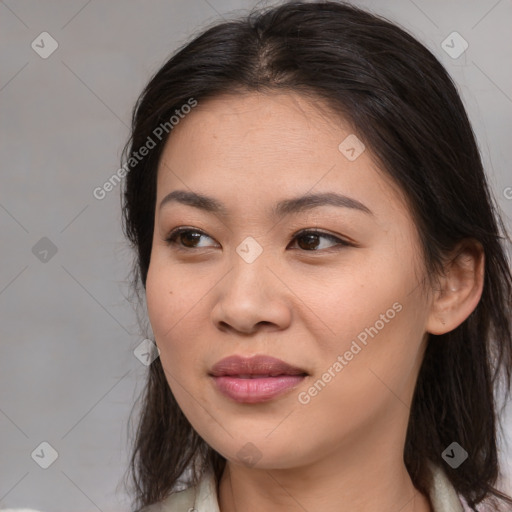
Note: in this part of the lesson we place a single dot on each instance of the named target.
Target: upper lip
(255, 365)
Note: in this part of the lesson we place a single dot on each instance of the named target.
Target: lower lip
(257, 390)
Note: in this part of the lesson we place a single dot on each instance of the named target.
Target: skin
(343, 450)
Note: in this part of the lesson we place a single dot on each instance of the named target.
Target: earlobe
(460, 288)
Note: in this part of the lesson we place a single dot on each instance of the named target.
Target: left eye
(312, 240)
(308, 240)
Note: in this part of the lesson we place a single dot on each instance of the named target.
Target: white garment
(203, 497)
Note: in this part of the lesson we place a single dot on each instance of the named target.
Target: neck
(363, 481)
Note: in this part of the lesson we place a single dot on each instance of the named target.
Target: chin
(260, 452)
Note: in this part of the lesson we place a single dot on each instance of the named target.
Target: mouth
(256, 379)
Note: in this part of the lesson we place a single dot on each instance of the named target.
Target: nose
(251, 298)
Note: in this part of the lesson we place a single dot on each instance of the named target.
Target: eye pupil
(192, 235)
(313, 241)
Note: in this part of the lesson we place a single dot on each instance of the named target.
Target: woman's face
(343, 305)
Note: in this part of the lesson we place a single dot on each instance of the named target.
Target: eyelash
(174, 234)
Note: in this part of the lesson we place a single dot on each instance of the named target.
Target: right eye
(184, 238)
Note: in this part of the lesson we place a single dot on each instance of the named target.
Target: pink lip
(256, 379)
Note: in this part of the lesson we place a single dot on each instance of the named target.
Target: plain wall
(68, 374)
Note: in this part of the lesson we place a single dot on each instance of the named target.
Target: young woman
(324, 271)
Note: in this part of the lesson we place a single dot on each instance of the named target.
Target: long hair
(405, 108)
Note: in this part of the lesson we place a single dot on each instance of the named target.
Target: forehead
(259, 117)
(270, 146)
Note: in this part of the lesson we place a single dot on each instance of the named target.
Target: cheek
(381, 361)
(372, 380)
(376, 321)
(159, 299)
(358, 306)
(166, 306)
(175, 310)
(171, 296)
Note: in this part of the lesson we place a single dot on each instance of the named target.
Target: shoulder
(201, 497)
(442, 494)
(180, 501)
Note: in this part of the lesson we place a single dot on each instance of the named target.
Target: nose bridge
(249, 261)
(250, 250)
(250, 292)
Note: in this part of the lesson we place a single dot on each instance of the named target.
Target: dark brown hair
(405, 108)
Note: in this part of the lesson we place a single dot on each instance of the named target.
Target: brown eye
(186, 238)
(310, 240)
(189, 238)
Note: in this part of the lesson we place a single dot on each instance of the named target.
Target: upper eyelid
(182, 229)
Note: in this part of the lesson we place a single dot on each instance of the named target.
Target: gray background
(68, 375)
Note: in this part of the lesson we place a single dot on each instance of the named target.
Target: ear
(460, 288)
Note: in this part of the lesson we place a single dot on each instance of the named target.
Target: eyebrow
(281, 209)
